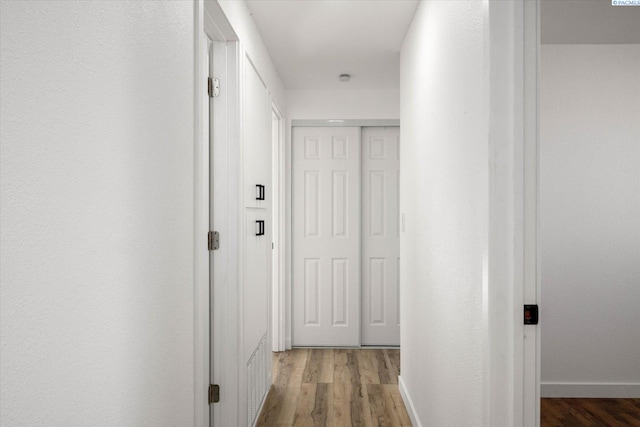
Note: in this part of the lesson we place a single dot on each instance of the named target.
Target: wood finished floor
(590, 412)
(326, 387)
(341, 387)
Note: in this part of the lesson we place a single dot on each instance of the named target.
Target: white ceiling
(588, 22)
(311, 42)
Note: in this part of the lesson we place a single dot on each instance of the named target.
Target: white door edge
(211, 25)
(511, 351)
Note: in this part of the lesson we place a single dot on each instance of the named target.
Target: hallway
(341, 387)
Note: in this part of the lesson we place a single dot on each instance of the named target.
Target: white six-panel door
(346, 236)
(326, 236)
(380, 236)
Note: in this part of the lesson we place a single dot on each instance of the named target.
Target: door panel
(380, 236)
(257, 137)
(256, 297)
(326, 236)
(256, 286)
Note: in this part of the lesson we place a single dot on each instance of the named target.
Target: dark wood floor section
(590, 412)
(327, 387)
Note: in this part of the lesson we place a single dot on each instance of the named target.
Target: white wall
(444, 161)
(97, 180)
(240, 19)
(343, 104)
(590, 212)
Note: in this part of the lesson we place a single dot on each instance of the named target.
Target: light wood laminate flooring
(335, 387)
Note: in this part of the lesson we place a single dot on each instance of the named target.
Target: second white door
(380, 236)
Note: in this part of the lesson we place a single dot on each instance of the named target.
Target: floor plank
(369, 367)
(306, 404)
(313, 369)
(590, 412)
(396, 404)
(334, 387)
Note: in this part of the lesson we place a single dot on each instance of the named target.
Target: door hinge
(213, 87)
(531, 314)
(213, 240)
(214, 393)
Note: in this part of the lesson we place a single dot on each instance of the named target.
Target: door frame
(278, 180)
(213, 157)
(286, 309)
(511, 354)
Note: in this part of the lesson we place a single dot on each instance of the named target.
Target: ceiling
(312, 42)
(588, 22)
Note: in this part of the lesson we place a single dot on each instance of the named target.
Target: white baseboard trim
(264, 400)
(287, 344)
(590, 390)
(408, 403)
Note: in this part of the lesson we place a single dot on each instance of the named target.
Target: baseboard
(287, 344)
(408, 403)
(264, 400)
(590, 390)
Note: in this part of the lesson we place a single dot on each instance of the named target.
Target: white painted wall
(590, 210)
(343, 104)
(443, 165)
(97, 178)
(240, 19)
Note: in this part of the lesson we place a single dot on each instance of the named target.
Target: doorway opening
(345, 236)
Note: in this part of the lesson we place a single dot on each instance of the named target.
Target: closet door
(380, 236)
(256, 290)
(256, 119)
(326, 236)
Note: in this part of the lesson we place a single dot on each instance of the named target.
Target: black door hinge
(531, 314)
(214, 393)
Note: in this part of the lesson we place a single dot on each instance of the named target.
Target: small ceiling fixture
(345, 77)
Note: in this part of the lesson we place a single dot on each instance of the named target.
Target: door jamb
(201, 220)
(278, 172)
(511, 266)
(287, 309)
(211, 24)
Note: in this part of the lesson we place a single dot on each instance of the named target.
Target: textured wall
(590, 212)
(443, 194)
(240, 18)
(344, 104)
(97, 213)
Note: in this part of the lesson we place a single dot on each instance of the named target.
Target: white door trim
(286, 309)
(511, 352)
(278, 171)
(201, 220)
(211, 25)
(346, 123)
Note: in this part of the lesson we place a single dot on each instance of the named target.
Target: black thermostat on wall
(530, 314)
